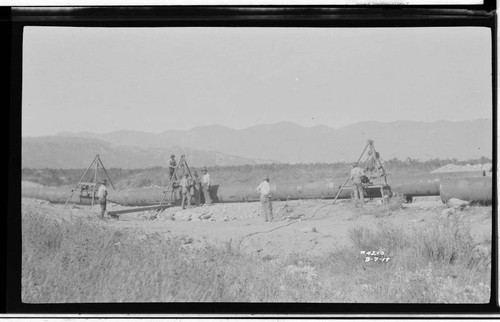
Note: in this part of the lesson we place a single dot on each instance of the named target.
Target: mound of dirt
(461, 168)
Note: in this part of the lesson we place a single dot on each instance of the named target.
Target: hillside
(291, 143)
(59, 152)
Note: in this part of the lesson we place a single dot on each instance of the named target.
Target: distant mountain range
(282, 142)
(60, 152)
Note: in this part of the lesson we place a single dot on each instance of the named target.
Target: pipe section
(407, 185)
(469, 189)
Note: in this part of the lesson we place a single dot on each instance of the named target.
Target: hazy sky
(156, 79)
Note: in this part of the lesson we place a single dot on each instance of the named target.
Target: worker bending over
(374, 165)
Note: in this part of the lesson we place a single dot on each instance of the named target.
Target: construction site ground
(311, 227)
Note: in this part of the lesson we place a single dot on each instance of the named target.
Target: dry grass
(378, 210)
(434, 263)
(83, 260)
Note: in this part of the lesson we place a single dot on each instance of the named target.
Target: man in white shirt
(356, 174)
(205, 182)
(265, 199)
(102, 193)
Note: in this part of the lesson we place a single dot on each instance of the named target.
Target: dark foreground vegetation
(157, 176)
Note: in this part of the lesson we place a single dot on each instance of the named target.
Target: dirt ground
(311, 227)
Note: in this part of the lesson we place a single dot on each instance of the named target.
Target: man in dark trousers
(172, 164)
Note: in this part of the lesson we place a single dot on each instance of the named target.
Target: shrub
(447, 241)
(432, 263)
(386, 237)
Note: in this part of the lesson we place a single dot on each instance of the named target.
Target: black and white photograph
(257, 164)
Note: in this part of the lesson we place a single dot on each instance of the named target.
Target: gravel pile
(282, 210)
(215, 212)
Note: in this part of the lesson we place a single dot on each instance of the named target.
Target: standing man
(186, 184)
(102, 193)
(356, 174)
(205, 181)
(265, 198)
(196, 189)
(172, 164)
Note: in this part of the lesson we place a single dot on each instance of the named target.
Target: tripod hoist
(370, 187)
(88, 188)
(173, 183)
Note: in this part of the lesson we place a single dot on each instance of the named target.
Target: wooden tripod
(86, 186)
(371, 146)
(174, 179)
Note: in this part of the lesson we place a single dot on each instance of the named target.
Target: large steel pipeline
(126, 197)
(408, 185)
(477, 189)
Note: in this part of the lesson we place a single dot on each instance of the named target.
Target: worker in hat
(102, 193)
(265, 199)
(205, 182)
(186, 184)
(172, 164)
(357, 173)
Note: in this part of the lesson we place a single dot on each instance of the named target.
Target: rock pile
(454, 205)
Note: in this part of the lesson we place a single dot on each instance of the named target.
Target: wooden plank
(137, 209)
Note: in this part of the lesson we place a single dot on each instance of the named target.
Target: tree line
(245, 174)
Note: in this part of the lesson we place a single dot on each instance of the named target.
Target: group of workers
(196, 187)
(360, 177)
(192, 187)
(199, 188)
